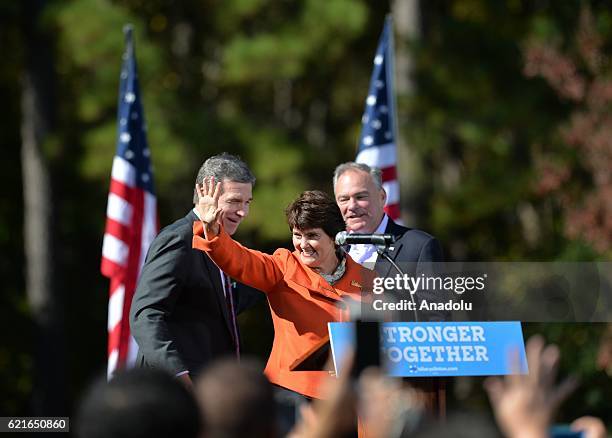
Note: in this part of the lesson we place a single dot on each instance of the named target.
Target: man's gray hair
(374, 172)
(224, 167)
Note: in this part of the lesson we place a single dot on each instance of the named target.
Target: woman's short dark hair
(315, 209)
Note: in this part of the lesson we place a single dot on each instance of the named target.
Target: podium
(432, 390)
(315, 359)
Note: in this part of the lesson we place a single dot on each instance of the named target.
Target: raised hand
(524, 405)
(208, 204)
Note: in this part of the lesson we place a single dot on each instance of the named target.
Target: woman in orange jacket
(306, 288)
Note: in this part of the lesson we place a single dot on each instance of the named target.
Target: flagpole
(392, 97)
(391, 80)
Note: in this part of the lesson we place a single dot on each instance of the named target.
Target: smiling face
(234, 202)
(361, 202)
(316, 249)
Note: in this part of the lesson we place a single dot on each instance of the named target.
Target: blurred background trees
(505, 149)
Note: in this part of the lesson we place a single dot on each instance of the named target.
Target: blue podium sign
(429, 349)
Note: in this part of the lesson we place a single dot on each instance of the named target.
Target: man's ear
(383, 195)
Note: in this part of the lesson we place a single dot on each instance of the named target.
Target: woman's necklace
(338, 272)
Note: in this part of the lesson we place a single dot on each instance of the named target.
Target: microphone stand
(382, 251)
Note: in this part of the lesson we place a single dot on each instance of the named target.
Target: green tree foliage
(479, 122)
(579, 176)
(267, 80)
(283, 84)
(487, 132)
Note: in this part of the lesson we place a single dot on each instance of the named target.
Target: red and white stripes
(131, 225)
(384, 157)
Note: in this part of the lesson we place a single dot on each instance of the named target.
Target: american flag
(377, 143)
(131, 213)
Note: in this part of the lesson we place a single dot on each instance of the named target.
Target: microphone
(344, 238)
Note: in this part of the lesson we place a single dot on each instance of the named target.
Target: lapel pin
(355, 283)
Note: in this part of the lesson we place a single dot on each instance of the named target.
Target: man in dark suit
(361, 197)
(183, 312)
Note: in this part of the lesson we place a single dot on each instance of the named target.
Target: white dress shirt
(365, 254)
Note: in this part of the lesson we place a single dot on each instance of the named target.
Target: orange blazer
(301, 301)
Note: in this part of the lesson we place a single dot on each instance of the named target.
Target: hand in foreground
(591, 427)
(387, 408)
(524, 405)
(208, 205)
(334, 415)
(383, 406)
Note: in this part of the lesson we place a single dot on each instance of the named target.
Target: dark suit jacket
(413, 251)
(179, 315)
